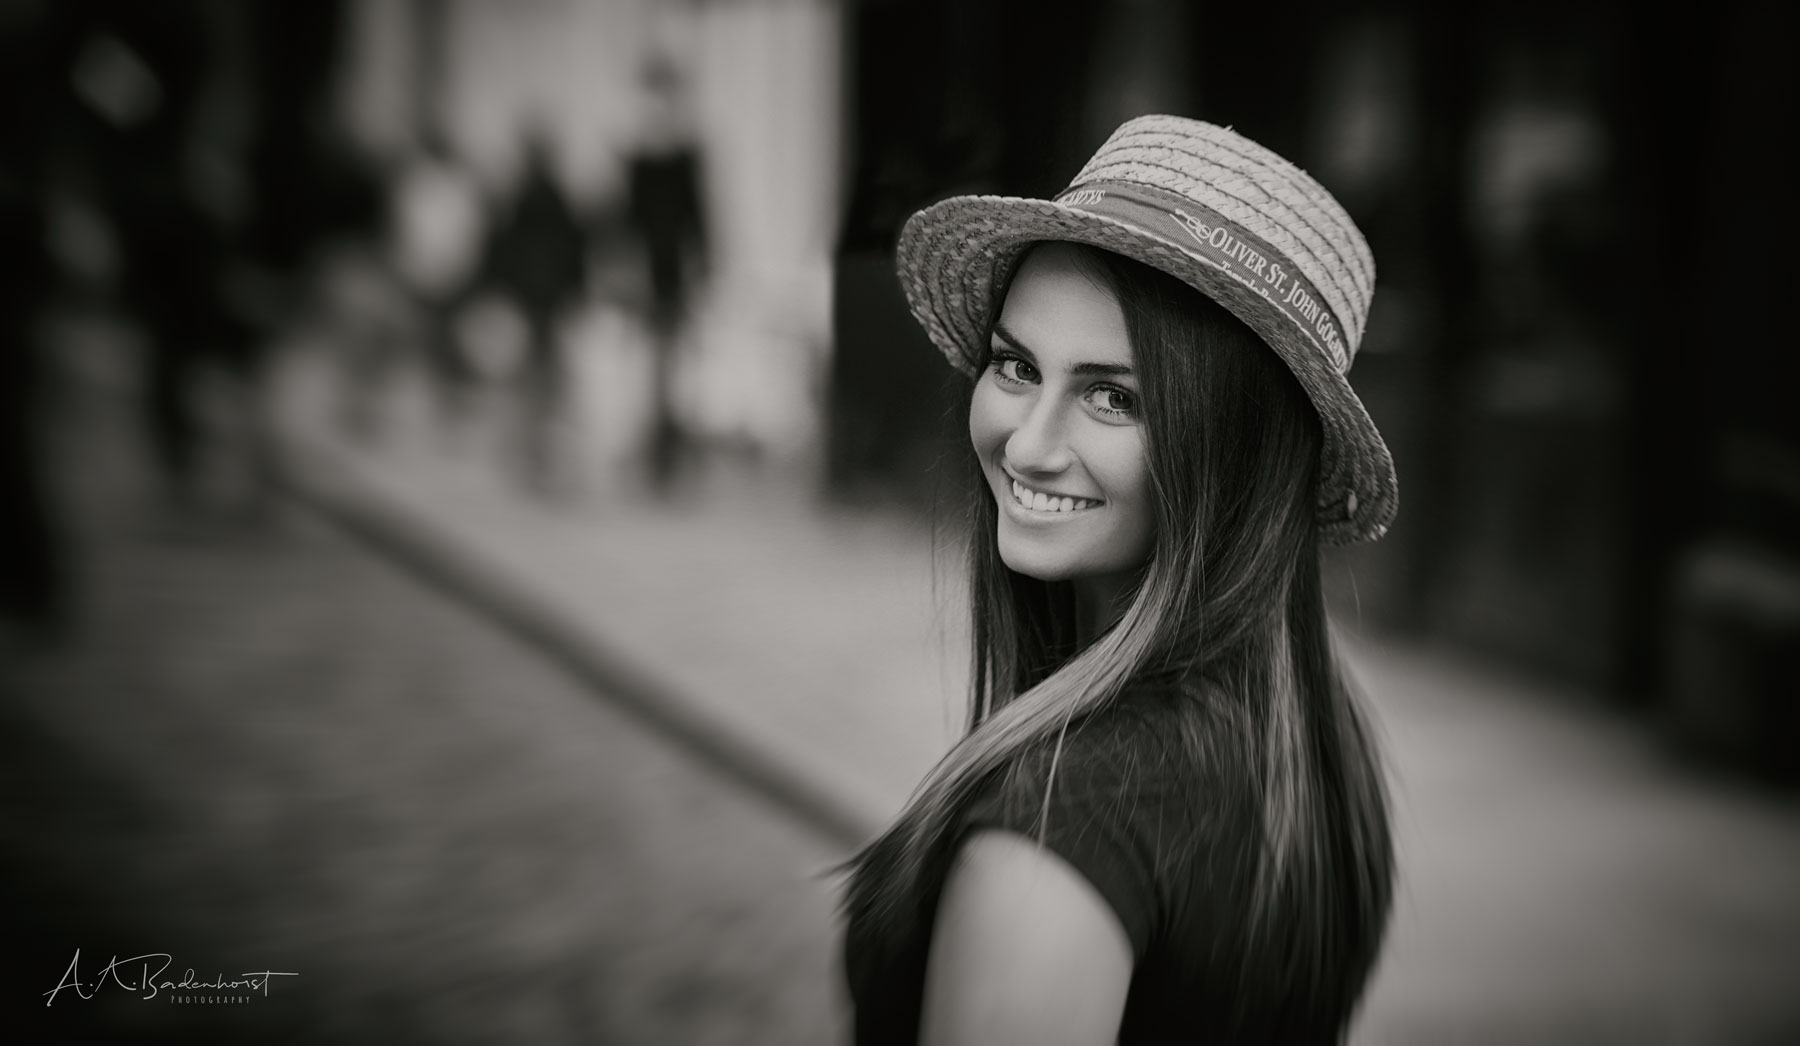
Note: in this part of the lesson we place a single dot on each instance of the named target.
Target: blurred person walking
(437, 223)
(669, 219)
(1166, 821)
(538, 258)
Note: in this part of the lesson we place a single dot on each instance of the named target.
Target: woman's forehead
(1056, 306)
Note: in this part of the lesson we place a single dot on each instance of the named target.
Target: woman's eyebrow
(1079, 370)
(1012, 342)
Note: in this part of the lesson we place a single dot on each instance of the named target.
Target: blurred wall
(768, 86)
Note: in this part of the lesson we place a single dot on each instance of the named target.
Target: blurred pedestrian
(1166, 821)
(669, 219)
(538, 258)
(438, 224)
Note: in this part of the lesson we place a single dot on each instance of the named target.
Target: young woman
(1166, 822)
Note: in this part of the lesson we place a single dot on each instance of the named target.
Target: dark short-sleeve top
(1151, 805)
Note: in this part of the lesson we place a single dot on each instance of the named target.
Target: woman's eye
(1113, 401)
(1012, 368)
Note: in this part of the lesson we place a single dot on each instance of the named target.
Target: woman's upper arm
(1025, 950)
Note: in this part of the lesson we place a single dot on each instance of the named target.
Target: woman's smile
(1048, 503)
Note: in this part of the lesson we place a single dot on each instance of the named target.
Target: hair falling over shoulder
(1230, 606)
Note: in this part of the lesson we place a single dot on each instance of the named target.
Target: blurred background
(472, 537)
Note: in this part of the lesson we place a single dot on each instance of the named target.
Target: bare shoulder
(1025, 950)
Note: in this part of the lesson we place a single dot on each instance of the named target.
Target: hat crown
(1256, 188)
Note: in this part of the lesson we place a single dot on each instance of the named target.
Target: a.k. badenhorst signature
(150, 981)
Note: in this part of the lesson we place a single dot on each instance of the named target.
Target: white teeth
(1041, 502)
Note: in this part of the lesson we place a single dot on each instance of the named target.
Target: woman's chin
(1032, 561)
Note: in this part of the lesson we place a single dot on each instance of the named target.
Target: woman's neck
(1099, 603)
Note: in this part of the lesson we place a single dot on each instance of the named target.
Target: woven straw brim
(956, 257)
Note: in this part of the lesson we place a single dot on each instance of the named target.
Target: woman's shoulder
(1163, 734)
(1152, 752)
(1137, 797)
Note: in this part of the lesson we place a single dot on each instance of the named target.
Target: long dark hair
(1230, 605)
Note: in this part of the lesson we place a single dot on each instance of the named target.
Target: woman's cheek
(987, 423)
(1126, 483)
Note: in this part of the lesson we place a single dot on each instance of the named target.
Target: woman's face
(1056, 424)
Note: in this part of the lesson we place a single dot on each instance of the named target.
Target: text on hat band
(1204, 233)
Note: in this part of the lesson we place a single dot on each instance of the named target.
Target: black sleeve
(1119, 812)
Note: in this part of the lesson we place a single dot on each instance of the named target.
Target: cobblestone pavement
(271, 751)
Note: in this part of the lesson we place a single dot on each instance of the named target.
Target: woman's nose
(1039, 443)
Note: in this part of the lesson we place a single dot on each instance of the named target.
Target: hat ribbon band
(1209, 236)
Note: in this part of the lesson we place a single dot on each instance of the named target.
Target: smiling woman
(1055, 424)
(1166, 821)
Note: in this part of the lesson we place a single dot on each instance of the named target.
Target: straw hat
(1230, 218)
